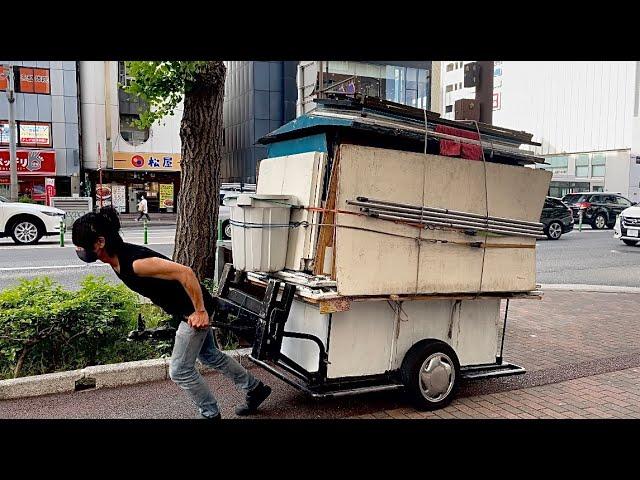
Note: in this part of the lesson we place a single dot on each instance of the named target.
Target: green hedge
(45, 328)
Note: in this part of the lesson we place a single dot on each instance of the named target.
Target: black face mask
(87, 256)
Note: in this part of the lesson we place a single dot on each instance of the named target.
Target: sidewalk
(581, 351)
(158, 219)
(610, 395)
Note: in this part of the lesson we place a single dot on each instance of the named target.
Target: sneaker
(253, 400)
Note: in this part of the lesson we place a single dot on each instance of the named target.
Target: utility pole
(484, 92)
(13, 191)
(480, 76)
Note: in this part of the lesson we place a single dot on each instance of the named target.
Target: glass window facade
(558, 165)
(409, 85)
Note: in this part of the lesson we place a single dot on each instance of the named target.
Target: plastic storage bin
(259, 230)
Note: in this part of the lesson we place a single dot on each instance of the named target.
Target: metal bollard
(62, 229)
(580, 220)
(146, 232)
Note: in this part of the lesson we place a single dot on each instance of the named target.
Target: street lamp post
(13, 165)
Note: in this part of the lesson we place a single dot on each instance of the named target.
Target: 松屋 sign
(144, 161)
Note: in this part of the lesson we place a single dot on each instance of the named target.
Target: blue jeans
(194, 343)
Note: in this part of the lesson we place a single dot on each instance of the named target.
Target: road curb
(97, 376)
(150, 225)
(588, 288)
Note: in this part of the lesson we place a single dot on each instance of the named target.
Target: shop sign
(145, 161)
(30, 162)
(32, 134)
(35, 134)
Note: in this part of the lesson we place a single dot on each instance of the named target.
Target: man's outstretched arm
(167, 270)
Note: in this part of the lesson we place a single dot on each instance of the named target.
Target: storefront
(36, 170)
(156, 175)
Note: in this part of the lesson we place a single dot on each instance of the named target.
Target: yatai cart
(328, 346)
(379, 247)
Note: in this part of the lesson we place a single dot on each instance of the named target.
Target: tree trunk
(198, 200)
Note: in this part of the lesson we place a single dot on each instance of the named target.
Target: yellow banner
(147, 161)
(166, 195)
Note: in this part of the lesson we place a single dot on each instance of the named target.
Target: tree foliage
(161, 85)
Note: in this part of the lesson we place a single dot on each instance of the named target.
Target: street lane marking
(51, 267)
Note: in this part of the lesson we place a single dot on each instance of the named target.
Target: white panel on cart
(299, 175)
(476, 341)
(305, 318)
(469, 326)
(361, 340)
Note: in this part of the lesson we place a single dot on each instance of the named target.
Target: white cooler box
(259, 230)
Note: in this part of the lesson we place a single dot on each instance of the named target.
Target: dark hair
(104, 223)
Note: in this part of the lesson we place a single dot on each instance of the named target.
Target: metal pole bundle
(446, 218)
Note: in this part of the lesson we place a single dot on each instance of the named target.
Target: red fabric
(453, 148)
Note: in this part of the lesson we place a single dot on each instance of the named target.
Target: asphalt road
(587, 257)
(62, 265)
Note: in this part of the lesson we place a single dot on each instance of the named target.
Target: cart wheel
(430, 372)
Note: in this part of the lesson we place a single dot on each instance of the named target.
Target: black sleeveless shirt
(169, 295)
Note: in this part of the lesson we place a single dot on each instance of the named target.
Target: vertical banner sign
(100, 173)
(118, 197)
(166, 195)
(103, 194)
(50, 189)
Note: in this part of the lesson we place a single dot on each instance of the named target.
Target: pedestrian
(176, 289)
(143, 209)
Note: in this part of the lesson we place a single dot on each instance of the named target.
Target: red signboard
(30, 162)
(4, 78)
(33, 80)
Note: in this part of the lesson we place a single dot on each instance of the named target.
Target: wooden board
(396, 262)
(326, 234)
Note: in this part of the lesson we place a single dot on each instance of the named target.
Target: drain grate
(85, 383)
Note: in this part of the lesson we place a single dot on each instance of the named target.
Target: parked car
(599, 209)
(224, 212)
(628, 225)
(556, 217)
(27, 223)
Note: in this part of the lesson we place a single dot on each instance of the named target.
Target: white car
(627, 227)
(224, 212)
(27, 223)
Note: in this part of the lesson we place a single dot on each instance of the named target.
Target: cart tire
(430, 373)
